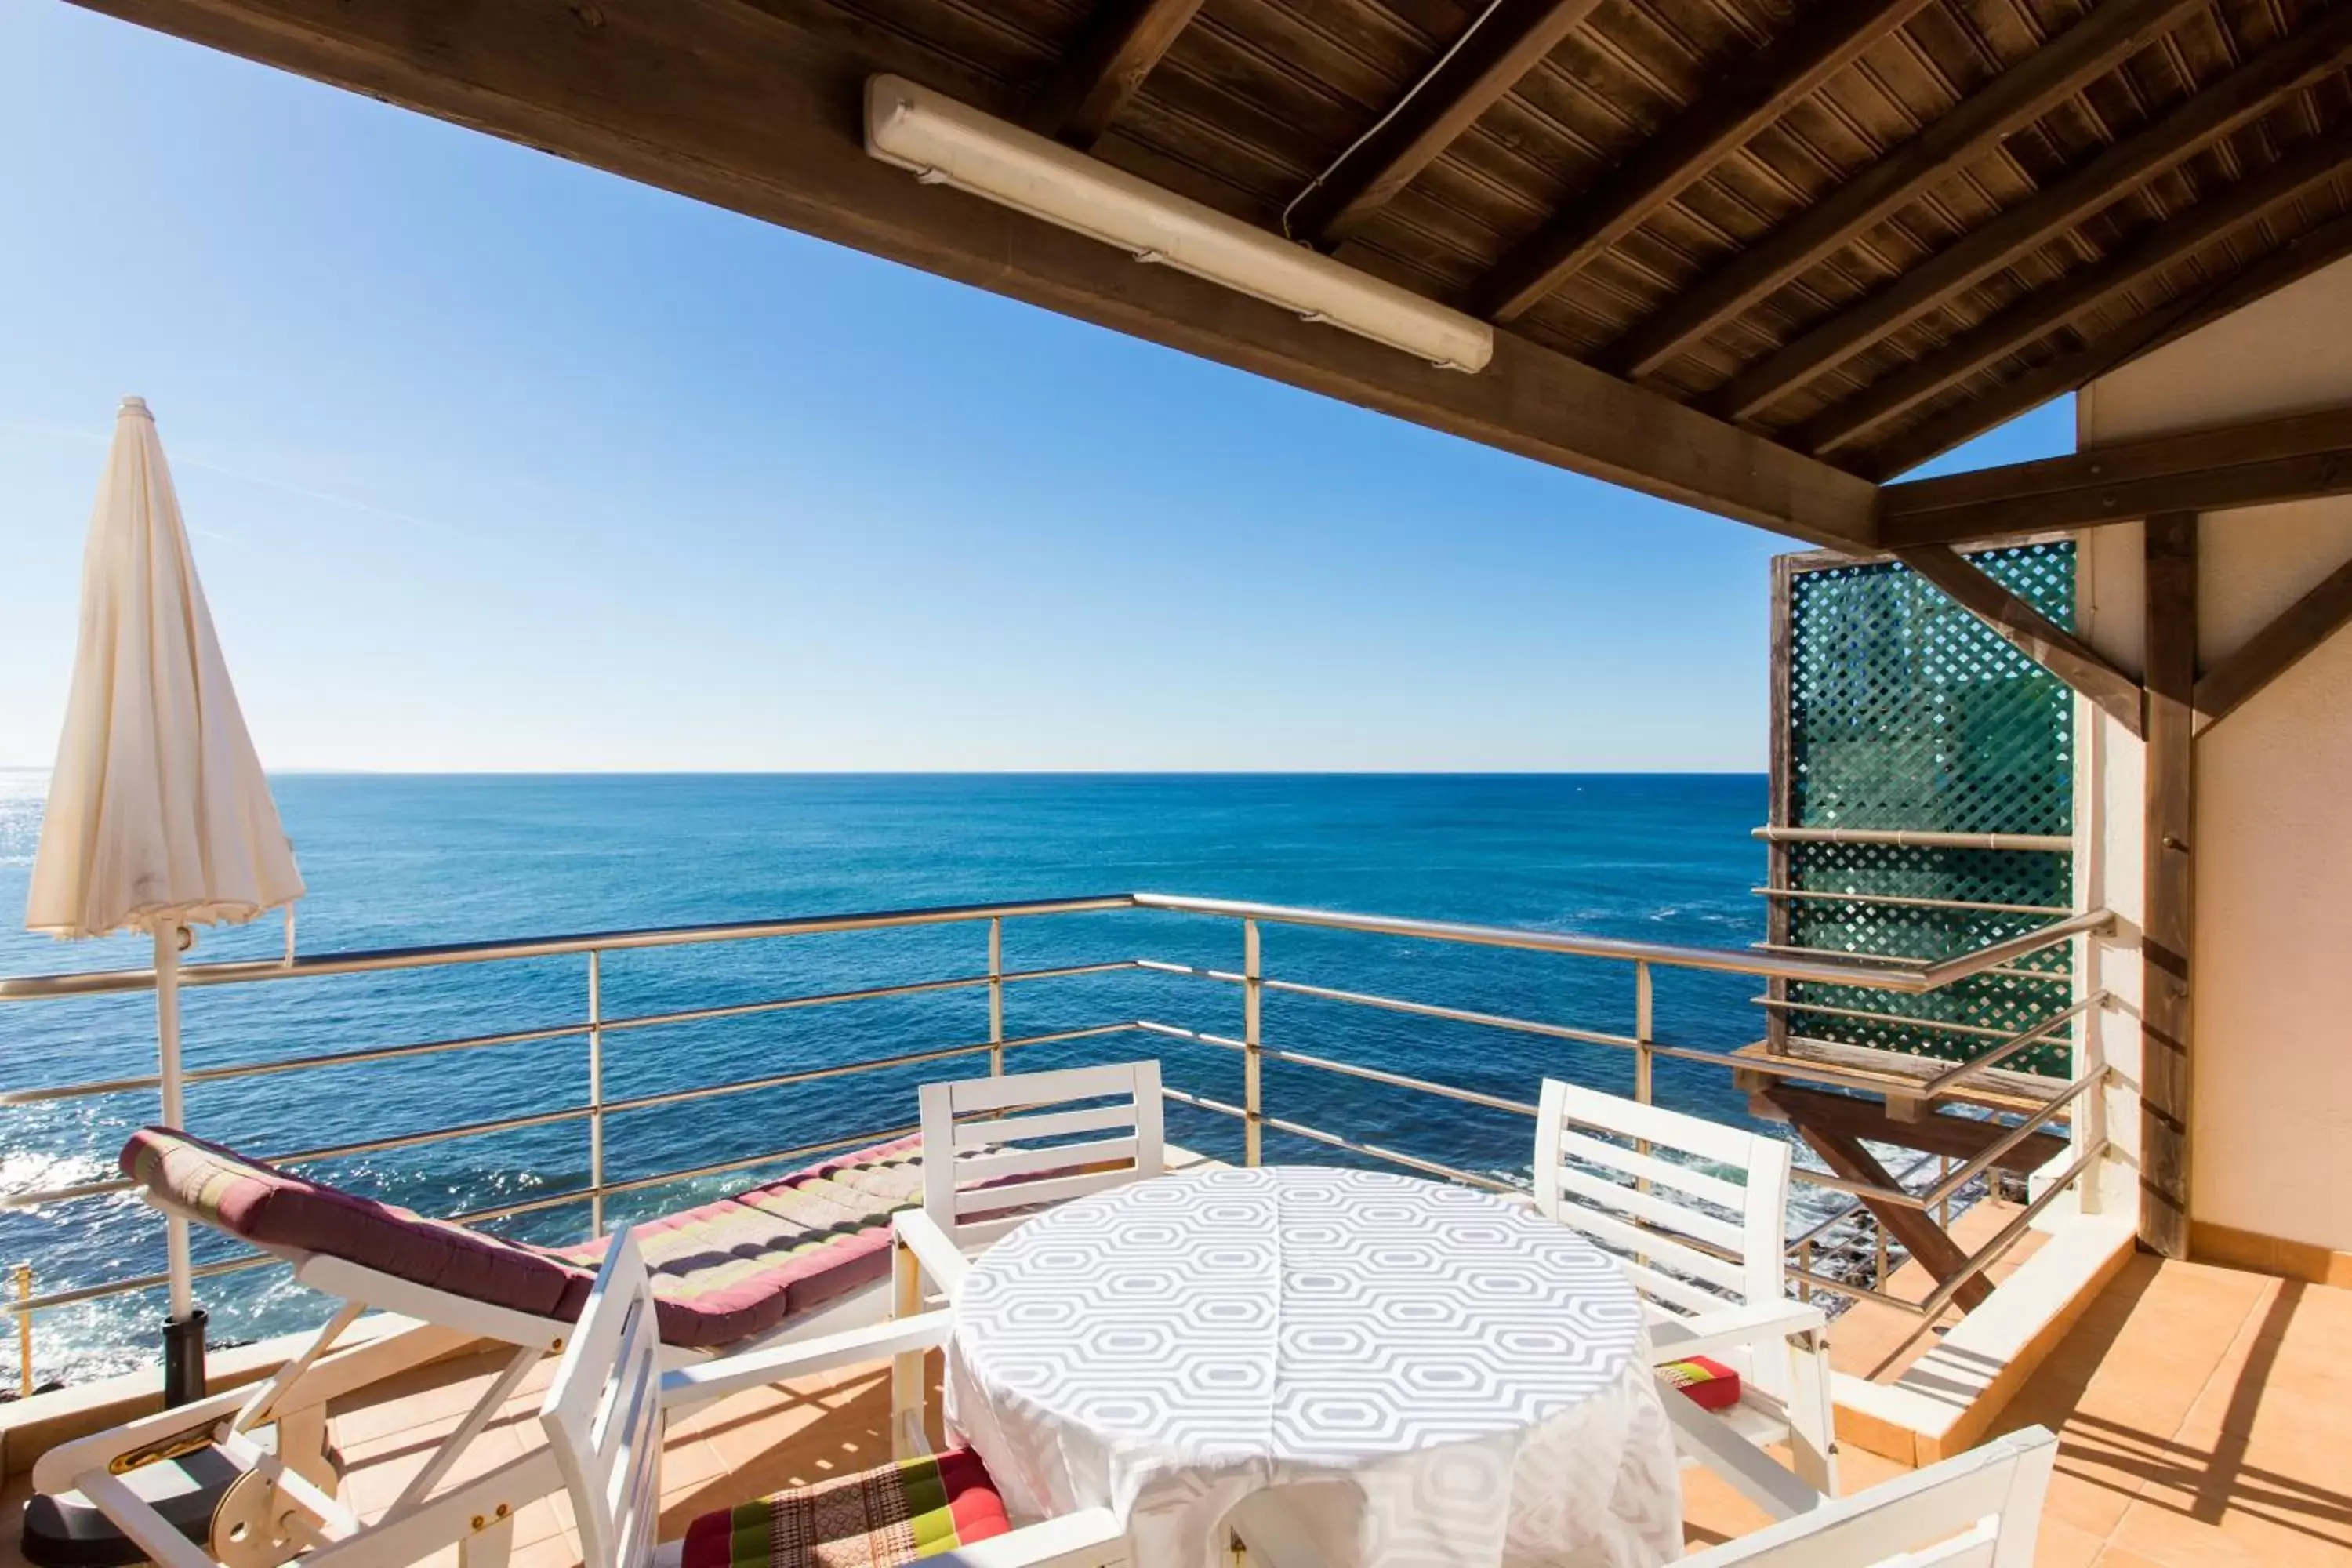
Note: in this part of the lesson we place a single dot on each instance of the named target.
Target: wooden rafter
(2111, 33)
(1120, 45)
(1755, 91)
(736, 106)
(2098, 286)
(2298, 457)
(2285, 68)
(2031, 632)
(2278, 647)
(2169, 921)
(2144, 334)
(1486, 64)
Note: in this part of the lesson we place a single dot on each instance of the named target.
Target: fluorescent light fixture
(949, 143)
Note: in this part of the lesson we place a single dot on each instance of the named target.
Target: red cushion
(1704, 1381)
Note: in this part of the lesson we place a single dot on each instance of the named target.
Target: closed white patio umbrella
(159, 817)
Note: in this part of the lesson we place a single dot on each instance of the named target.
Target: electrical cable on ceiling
(1395, 109)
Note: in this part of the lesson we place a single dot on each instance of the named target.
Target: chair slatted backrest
(1012, 1151)
(603, 1413)
(1691, 1239)
(1978, 1509)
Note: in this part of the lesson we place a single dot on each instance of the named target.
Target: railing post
(996, 996)
(24, 1330)
(1252, 1041)
(2095, 1117)
(596, 1091)
(1642, 1032)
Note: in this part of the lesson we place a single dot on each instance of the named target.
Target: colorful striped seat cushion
(722, 1271)
(916, 1508)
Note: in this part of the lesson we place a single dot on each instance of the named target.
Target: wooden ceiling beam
(2031, 632)
(746, 109)
(1480, 67)
(2297, 457)
(2298, 630)
(1758, 89)
(2112, 33)
(2103, 284)
(2284, 68)
(1122, 41)
(2300, 256)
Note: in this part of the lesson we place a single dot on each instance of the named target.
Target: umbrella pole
(183, 1330)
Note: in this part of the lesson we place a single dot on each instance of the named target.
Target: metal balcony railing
(593, 1026)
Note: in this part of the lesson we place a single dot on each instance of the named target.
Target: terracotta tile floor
(2205, 1417)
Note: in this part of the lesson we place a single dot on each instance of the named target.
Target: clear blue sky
(497, 462)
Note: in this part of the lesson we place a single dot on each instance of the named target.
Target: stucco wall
(2272, 989)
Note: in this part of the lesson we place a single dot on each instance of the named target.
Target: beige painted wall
(2271, 1136)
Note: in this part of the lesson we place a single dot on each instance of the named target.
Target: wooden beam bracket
(2298, 630)
(2032, 633)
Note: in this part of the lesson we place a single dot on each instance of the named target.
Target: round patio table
(1438, 1376)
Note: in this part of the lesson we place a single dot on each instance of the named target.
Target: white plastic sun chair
(1979, 1509)
(281, 1500)
(604, 1415)
(1707, 1252)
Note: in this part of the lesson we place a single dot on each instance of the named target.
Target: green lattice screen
(1905, 712)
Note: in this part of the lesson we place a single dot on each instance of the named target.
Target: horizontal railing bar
(1984, 1158)
(1348, 1069)
(1202, 1102)
(1847, 1288)
(1992, 956)
(844, 1069)
(106, 981)
(1397, 1157)
(2009, 972)
(1418, 1009)
(369, 1054)
(862, 993)
(1985, 1257)
(359, 1055)
(580, 1112)
(1824, 969)
(1857, 1206)
(2016, 1043)
(1917, 838)
(76, 1297)
(1457, 1015)
(1784, 1005)
(1911, 901)
(1718, 959)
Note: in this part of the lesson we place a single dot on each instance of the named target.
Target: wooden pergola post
(2168, 923)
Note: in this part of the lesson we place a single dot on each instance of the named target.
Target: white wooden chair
(993, 1152)
(1979, 1509)
(605, 1413)
(1707, 1255)
(994, 1148)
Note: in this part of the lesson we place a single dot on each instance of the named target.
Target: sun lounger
(804, 1255)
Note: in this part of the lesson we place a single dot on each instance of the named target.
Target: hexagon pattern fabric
(1468, 1379)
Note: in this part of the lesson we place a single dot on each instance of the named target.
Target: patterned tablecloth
(1465, 1375)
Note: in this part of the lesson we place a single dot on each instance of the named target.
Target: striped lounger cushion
(918, 1508)
(722, 1271)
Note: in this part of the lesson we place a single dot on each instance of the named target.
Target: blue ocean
(404, 860)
